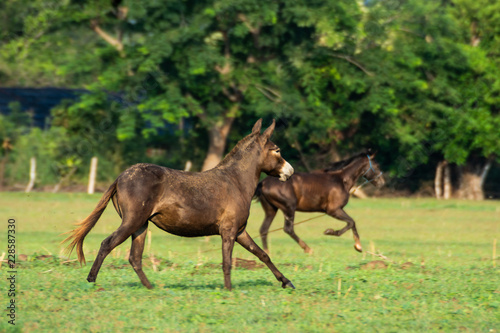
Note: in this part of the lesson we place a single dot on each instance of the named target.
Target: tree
(416, 80)
(435, 91)
(475, 132)
(459, 90)
(214, 60)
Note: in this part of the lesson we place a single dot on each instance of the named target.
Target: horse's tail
(79, 234)
(258, 192)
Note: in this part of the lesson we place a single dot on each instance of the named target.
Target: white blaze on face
(286, 172)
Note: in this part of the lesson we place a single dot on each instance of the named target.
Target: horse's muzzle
(286, 172)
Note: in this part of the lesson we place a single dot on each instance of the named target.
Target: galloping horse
(325, 190)
(214, 202)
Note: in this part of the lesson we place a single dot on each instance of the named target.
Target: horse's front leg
(247, 242)
(342, 215)
(228, 239)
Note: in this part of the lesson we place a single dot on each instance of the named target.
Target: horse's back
(143, 171)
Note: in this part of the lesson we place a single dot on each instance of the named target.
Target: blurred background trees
(167, 82)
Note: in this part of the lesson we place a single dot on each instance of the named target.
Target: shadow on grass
(204, 286)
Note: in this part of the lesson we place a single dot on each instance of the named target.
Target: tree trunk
(303, 159)
(334, 152)
(470, 186)
(63, 179)
(472, 177)
(217, 143)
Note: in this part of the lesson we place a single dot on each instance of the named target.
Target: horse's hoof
(330, 232)
(308, 250)
(91, 279)
(358, 247)
(288, 284)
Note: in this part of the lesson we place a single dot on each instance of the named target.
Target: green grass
(451, 284)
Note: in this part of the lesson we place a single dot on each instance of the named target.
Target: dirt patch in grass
(376, 264)
(247, 264)
(407, 265)
(237, 263)
(379, 264)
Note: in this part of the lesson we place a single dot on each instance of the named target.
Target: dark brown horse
(320, 191)
(214, 202)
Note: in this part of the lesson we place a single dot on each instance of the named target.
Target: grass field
(441, 276)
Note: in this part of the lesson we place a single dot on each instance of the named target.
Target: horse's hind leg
(126, 229)
(247, 242)
(342, 215)
(270, 212)
(136, 250)
(289, 223)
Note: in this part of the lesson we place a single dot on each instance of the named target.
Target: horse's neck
(353, 171)
(244, 172)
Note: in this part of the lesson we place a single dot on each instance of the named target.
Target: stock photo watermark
(11, 278)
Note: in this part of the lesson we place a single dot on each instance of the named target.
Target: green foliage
(45, 146)
(419, 81)
(435, 91)
(13, 126)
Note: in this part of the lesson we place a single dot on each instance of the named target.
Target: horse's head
(373, 173)
(271, 161)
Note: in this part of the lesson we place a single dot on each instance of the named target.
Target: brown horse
(325, 190)
(214, 202)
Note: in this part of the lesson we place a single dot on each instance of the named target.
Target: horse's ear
(268, 132)
(371, 152)
(258, 125)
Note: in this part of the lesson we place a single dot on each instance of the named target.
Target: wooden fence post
(31, 183)
(92, 175)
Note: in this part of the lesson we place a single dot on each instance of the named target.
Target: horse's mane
(342, 164)
(242, 145)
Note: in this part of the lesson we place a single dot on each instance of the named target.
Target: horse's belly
(310, 209)
(188, 232)
(311, 204)
(186, 224)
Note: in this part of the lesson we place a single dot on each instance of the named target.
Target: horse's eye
(277, 151)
